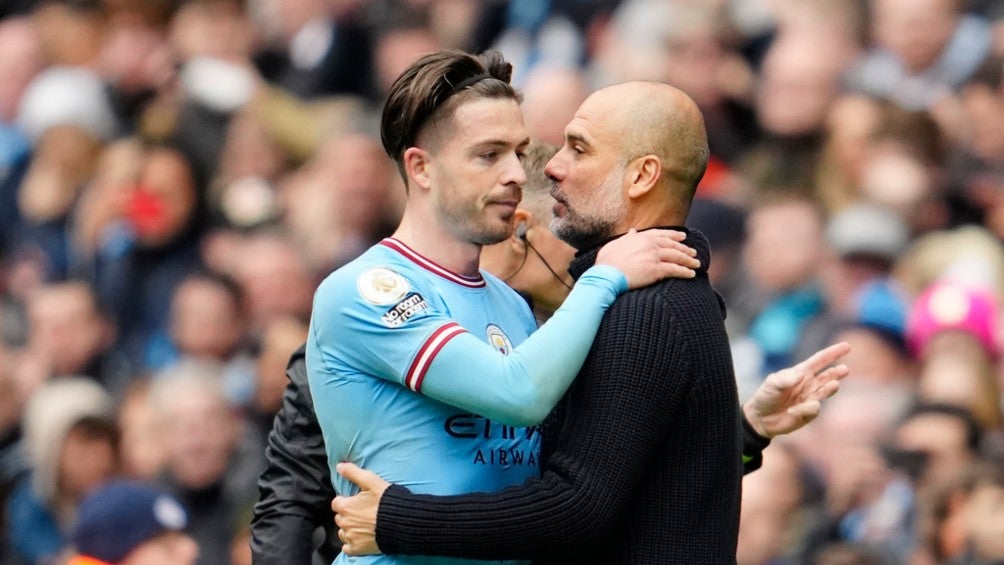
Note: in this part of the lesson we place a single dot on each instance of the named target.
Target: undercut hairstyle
(428, 92)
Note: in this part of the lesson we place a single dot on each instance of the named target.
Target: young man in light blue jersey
(422, 368)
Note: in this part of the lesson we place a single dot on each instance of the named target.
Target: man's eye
(521, 156)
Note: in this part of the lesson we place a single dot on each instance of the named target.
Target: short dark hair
(974, 433)
(430, 90)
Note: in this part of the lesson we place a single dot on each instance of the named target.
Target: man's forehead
(584, 128)
(490, 121)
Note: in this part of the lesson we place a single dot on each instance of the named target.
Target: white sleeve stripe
(426, 354)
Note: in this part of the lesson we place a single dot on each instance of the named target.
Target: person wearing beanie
(131, 523)
(71, 440)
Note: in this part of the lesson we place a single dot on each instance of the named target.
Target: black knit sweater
(641, 458)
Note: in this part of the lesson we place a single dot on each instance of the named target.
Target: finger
(361, 477)
(679, 272)
(807, 411)
(668, 243)
(825, 357)
(785, 378)
(827, 390)
(339, 519)
(831, 374)
(679, 257)
(337, 504)
(676, 235)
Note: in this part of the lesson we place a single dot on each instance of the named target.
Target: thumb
(362, 478)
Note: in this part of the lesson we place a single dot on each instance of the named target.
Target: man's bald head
(656, 119)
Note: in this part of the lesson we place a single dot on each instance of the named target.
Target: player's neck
(439, 245)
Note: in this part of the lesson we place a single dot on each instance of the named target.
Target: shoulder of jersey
(381, 285)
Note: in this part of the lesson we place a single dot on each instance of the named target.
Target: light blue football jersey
(393, 336)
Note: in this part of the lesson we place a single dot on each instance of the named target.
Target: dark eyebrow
(501, 143)
(574, 137)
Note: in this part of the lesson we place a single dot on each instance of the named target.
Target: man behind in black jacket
(642, 455)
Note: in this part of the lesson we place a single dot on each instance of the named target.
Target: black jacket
(295, 488)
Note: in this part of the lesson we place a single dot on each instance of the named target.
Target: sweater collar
(587, 257)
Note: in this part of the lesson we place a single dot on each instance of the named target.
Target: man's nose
(555, 169)
(515, 173)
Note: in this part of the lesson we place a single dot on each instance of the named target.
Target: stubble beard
(473, 224)
(594, 220)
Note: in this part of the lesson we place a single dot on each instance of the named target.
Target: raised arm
(455, 367)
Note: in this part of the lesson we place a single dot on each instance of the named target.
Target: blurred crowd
(176, 176)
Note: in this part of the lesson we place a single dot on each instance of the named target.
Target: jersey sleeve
(417, 344)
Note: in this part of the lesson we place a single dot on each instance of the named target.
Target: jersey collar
(431, 266)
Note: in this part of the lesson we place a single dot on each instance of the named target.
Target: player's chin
(496, 230)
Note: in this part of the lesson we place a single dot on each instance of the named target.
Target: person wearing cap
(131, 523)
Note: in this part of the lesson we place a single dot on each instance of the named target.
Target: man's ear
(416, 166)
(643, 175)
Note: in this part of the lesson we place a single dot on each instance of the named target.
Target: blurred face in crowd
(361, 178)
(851, 122)
(915, 30)
(217, 28)
(164, 203)
(89, 458)
(249, 151)
(770, 500)
(141, 441)
(66, 329)
(397, 49)
(166, 548)
(70, 35)
(20, 59)
(984, 108)
(793, 226)
(798, 83)
(957, 370)
(893, 177)
(281, 338)
(942, 438)
(873, 357)
(550, 98)
(845, 442)
(205, 319)
(274, 279)
(200, 433)
(985, 522)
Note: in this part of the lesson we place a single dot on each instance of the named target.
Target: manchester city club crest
(498, 339)
(380, 285)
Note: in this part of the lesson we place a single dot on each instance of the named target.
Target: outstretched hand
(792, 397)
(356, 515)
(649, 256)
